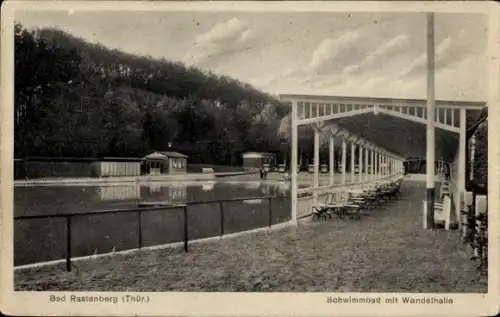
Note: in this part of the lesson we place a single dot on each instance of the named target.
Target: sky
(324, 53)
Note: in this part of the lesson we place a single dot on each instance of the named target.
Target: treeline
(74, 98)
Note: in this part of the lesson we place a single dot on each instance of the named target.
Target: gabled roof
(165, 155)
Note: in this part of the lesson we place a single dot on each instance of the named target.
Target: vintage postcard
(249, 158)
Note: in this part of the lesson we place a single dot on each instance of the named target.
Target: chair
(322, 210)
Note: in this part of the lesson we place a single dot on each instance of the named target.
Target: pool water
(37, 240)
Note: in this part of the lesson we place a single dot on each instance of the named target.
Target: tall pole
(293, 163)
(431, 107)
(462, 149)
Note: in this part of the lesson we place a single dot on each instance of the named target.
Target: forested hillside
(74, 98)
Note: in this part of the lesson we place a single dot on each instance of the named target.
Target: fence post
(270, 213)
(221, 218)
(186, 237)
(68, 243)
(139, 229)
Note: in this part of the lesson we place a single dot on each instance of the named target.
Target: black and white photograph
(208, 149)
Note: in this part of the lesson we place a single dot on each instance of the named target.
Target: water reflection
(171, 193)
(121, 192)
(70, 199)
(207, 186)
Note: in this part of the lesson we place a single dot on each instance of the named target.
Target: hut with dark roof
(165, 162)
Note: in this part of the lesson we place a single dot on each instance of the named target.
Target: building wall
(112, 168)
(177, 166)
(42, 169)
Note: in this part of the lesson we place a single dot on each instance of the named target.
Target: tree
(41, 72)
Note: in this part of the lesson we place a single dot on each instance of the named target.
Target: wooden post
(431, 107)
(270, 213)
(186, 236)
(68, 243)
(293, 163)
(139, 229)
(221, 209)
(424, 205)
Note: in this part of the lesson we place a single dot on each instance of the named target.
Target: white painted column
(293, 162)
(366, 165)
(331, 166)
(360, 162)
(316, 166)
(431, 108)
(462, 148)
(344, 159)
(353, 153)
(377, 158)
(472, 156)
(372, 162)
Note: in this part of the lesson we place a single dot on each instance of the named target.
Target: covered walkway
(381, 133)
(384, 251)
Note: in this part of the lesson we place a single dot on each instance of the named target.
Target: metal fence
(39, 238)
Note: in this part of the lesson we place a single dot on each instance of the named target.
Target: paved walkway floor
(385, 251)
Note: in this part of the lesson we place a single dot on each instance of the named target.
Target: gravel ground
(385, 251)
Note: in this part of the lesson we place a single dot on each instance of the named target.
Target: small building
(118, 166)
(258, 160)
(160, 162)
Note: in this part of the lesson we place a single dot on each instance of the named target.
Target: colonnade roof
(401, 136)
